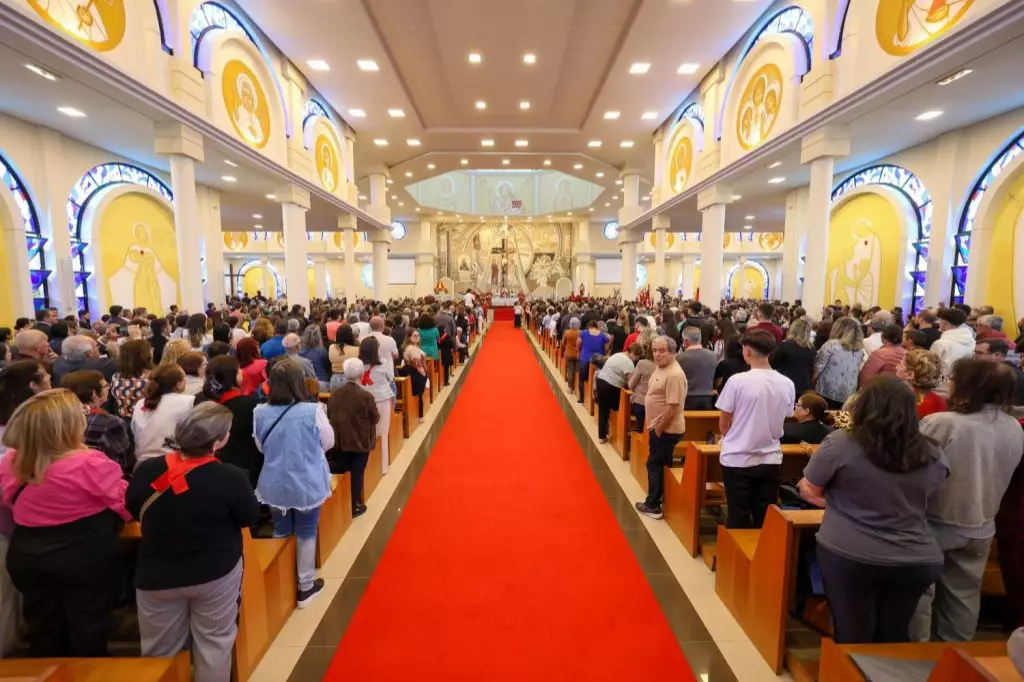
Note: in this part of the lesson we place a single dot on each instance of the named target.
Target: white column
(320, 277)
(712, 94)
(350, 268)
(659, 168)
(350, 169)
(52, 195)
(950, 165)
(630, 190)
(585, 274)
(659, 278)
(819, 149)
(381, 245)
(711, 203)
(294, 204)
(689, 264)
(268, 278)
(184, 147)
(627, 244)
(792, 236)
(17, 279)
(213, 244)
(425, 276)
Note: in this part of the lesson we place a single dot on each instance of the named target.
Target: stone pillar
(712, 98)
(585, 274)
(300, 159)
(788, 290)
(659, 278)
(819, 149)
(427, 248)
(350, 268)
(52, 197)
(689, 263)
(213, 244)
(950, 165)
(268, 277)
(627, 244)
(711, 203)
(294, 204)
(381, 241)
(320, 277)
(350, 169)
(184, 147)
(659, 168)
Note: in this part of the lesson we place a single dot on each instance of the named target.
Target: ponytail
(818, 408)
(162, 380)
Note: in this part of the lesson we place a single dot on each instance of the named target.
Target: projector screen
(608, 270)
(401, 271)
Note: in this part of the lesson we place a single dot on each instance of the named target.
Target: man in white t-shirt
(388, 347)
(469, 300)
(754, 406)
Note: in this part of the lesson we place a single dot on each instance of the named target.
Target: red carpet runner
(507, 563)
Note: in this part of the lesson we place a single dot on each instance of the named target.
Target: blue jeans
(301, 524)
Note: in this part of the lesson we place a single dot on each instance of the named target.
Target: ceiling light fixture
(480, 104)
(408, 174)
(775, 165)
(615, 197)
(271, 197)
(71, 111)
(257, 227)
(357, 113)
(318, 65)
(390, 181)
(737, 197)
(40, 71)
(618, 182)
(649, 115)
(569, 213)
(464, 161)
(547, 162)
(401, 203)
(413, 142)
(687, 68)
(367, 65)
(776, 181)
(417, 209)
(598, 175)
(487, 143)
(748, 227)
(639, 68)
(396, 113)
(949, 79)
(505, 162)
(394, 197)
(229, 178)
(431, 166)
(380, 142)
(522, 143)
(577, 166)
(594, 144)
(524, 105)
(231, 163)
(626, 144)
(529, 58)
(362, 197)
(607, 203)
(612, 115)
(475, 58)
(929, 115)
(257, 216)
(749, 217)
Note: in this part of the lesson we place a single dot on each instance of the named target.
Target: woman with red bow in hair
(377, 381)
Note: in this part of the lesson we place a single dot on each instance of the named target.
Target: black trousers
(581, 374)
(518, 321)
(607, 402)
(640, 412)
(354, 463)
(447, 360)
(871, 603)
(699, 402)
(749, 491)
(660, 456)
(68, 578)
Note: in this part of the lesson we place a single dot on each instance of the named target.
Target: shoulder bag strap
(17, 494)
(274, 425)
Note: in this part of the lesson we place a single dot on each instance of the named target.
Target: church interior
(182, 156)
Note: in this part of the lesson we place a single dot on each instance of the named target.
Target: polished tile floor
(715, 646)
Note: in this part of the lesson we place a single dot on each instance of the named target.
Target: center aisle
(507, 563)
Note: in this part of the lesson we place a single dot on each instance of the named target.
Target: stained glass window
(963, 233)
(611, 231)
(34, 239)
(692, 112)
(313, 108)
(752, 263)
(209, 16)
(249, 265)
(86, 187)
(790, 20)
(367, 276)
(398, 231)
(914, 190)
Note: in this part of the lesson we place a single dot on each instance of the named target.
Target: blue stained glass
(960, 277)
(313, 108)
(920, 278)
(209, 16)
(918, 304)
(80, 278)
(34, 241)
(790, 20)
(693, 112)
(38, 278)
(35, 245)
(963, 246)
(83, 304)
(77, 248)
(922, 249)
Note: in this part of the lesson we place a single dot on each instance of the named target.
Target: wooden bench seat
(268, 598)
(954, 661)
(395, 437)
(335, 517)
(405, 405)
(96, 669)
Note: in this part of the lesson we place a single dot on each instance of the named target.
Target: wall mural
(505, 194)
(747, 280)
(100, 24)
(246, 104)
(770, 241)
(903, 26)
(670, 239)
(863, 252)
(496, 256)
(236, 241)
(138, 248)
(680, 168)
(327, 170)
(759, 106)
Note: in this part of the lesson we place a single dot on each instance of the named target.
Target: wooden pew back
(989, 660)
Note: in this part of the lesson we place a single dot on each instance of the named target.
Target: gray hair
(353, 369)
(800, 332)
(312, 338)
(353, 318)
(377, 323)
(75, 348)
(201, 427)
(993, 321)
(669, 341)
(574, 323)
(691, 336)
(740, 315)
(292, 342)
(293, 325)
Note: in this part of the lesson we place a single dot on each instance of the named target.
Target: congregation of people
(197, 426)
(917, 423)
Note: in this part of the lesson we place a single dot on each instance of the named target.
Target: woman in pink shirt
(68, 505)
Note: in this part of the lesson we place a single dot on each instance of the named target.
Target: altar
(504, 301)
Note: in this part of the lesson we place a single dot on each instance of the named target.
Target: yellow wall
(1001, 271)
(752, 287)
(252, 281)
(138, 253)
(863, 252)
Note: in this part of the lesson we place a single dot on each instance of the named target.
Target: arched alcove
(320, 135)
(686, 142)
(761, 280)
(21, 249)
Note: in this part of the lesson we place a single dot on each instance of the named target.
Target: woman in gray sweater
(983, 445)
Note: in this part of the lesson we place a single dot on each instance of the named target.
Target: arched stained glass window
(611, 231)
(914, 190)
(34, 239)
(963, 234)
(754, 264)
(398, 231)
(209, 16)
(249, 265)
(83, 191)
(692, 112)
(313, 108)
(792, 19)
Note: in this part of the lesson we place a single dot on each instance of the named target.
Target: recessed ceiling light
(380, 142)
(594, 143)
(475, 58)
(522, 143)
(569, 213)
(524, 105)
(618, 182)
(480, 104)
(591, 209)
(229, 178)
(550, 217)
(417, 209)
(598, 175)
(481, 217)
(408, 174)
(737, 197)
(357, 113)
(505, 162)
(607, 203)
(363, 197)
(413, 142)
(775, 165)
(367, 65)
(748, 227)
(464, 161)
(547, 162)
(929, 115)
(577, 166)
(612, 115)
(649, 115)
(949, 79)
(318, 65)
(71, 111)
(390, 181)
(639, 68)
(401, 203)
(271, 197)
(394, 197)
(687, 68)
(487, 143)
(749, 217)
(40, 71)
(257, 216)
(615, 197)
(431, 166)
(626, 144)
(396, 113)
(529, 58)
(776, 181)
(231, 163)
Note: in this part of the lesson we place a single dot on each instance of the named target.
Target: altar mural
(759, 106)
(904, 26)
(246, 104)
(501, 193)
(864, 252)
(491, 257)
(139, 253)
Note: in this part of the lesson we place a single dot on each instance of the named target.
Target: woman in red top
(920, 369)
(254, 368)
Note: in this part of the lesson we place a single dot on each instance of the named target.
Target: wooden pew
(433, 374)
(697, 426)
(175, 669)
(620, 424)
(588, 400)
(335, 517)
(404, 404)
(268, 598)
(395, 436)
(688, 493)
(374, 470)
(756, 577)
(955, 661)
